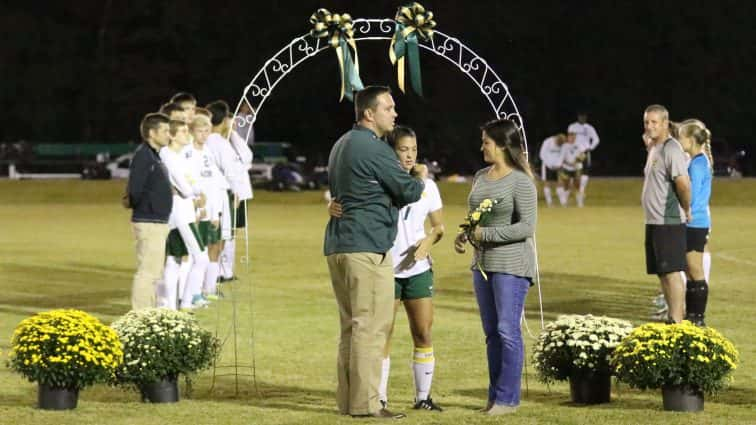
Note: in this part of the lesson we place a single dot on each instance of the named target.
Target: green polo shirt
(364, 175)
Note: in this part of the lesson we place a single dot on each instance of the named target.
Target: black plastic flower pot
(682, 399)
(590, 389)
(54, 398)
(162, 391)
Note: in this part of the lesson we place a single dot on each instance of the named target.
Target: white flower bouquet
(577, 345)
(477, 217)
(160, 343)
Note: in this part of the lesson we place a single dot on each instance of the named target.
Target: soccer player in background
(551, 162)
(696, 140)
(588, 139)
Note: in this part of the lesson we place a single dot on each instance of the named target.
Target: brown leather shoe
(382, 414)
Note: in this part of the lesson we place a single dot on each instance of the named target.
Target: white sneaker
(501, 409)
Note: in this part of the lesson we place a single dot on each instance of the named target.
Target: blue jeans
(500, 300)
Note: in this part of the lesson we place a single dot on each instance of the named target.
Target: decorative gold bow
(339, 29)
(412, 21)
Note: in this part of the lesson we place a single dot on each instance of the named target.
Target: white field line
(735, 259)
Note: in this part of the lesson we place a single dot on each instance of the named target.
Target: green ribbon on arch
(413, 22)
(338, 29)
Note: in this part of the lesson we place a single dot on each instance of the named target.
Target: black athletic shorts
(241, 215)
(549, 175)
(665, 248)
(569, 174)
(697, 238)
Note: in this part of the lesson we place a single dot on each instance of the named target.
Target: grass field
(69, 244)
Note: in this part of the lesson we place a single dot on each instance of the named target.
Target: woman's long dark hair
(508, 137)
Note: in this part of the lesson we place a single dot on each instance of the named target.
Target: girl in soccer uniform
(413, 273)
(214, 186)
(696, 140)
(183, 238)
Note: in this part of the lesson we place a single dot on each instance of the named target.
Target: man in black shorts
(666, 202)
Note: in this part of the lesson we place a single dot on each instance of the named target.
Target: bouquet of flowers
(65, 349)
(478, 217)
(576, 345)
(657, 355)
(160, 343)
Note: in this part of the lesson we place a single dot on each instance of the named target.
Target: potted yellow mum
(64, 351)
(684, 360)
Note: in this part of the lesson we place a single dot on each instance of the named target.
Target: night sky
(87, 71)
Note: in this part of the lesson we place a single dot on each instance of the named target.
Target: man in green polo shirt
(366, 178)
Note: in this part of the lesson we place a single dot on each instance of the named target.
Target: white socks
(228, 256)
(186, 267)
(196, 278)
(423, 363)
(383, 386)
(547, 195)
(168, 290)
(563, 195)
(583, 183)
(211, 278)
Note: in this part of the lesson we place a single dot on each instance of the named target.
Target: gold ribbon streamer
(413, 21)
(339, 29)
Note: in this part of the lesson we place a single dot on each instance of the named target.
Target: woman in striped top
(505, 251)
(696, 140)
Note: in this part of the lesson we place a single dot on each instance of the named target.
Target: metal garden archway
(450, 48)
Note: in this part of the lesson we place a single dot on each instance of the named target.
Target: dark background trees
(89, 70)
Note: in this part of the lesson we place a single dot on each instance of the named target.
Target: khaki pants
(150, 255)
(364, 287)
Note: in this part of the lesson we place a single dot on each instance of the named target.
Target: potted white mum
(158, 345)
(579, 348)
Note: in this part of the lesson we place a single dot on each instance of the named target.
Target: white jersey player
(184, 238)
(572, 164)
(242, 188)
(551, 162)
(588, 139)
(214, 185)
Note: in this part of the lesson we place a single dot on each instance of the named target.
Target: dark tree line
(88, 70)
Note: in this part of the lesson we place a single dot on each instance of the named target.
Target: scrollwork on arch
(452, 49)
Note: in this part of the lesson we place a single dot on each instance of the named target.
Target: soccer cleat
(427, 404)
(696, 319)
(659, 301)
(660, 314)
(198, 301)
